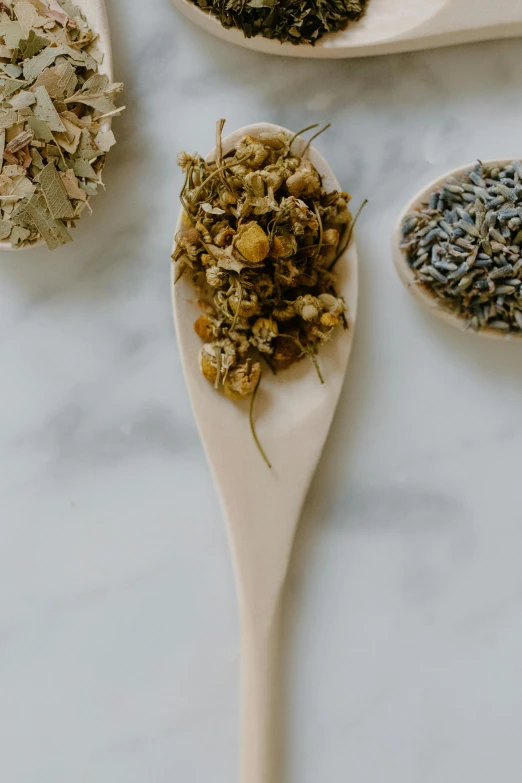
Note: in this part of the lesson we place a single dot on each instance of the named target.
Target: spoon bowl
(407, 274)
(389, 26)
(95, 13)
(262, 507)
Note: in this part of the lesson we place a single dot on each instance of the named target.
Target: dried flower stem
(346, 244)
(300, 133)
(219, 171)
(315, 137)
(321, 229)
(253, 426)
(218, 372)
(306, 352)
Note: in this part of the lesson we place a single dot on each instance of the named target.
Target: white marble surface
(118, 630)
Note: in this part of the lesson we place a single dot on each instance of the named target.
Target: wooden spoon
(389, 26)
(95, 13)
(262, 507)
(407, 274)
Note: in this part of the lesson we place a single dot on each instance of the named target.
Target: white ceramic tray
(389, 26)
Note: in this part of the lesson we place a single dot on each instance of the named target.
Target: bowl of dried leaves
(57, 103)
(324, 28)
(458, 248)
(265, 24)
(264, 272)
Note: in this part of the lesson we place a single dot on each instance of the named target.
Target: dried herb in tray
(294, 21)
(53, 103)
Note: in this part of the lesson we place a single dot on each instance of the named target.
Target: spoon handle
(260, 679)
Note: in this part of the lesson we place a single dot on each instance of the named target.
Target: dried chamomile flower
(300, 216)
(308, 307)
(186, 161)
(304, 181)
(251, 153)
(206, 327)
(260, 240)
(330, 320)
(216, 277)
(54, 120)
(264, 331)
(242, 380)
(284, 312)
(331, 304)
(244, 303)
(284, 246)
(286, 353)
(252, 242)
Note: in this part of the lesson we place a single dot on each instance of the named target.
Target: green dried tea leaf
(60, 81)
(13, 71)
(88, 148)
(2, 148)
(53, 231)
(41, 129)
(101, 105)
(67, 79)
(8, 118)
(42, 9)
(96, 85)
(91, 188)
(18, 235)
(82, 168)
(24, 188)
(12, 34)
(55, 194)
(32, 45)
(34, 67)
(45, 110)
(23, 99)
(105, 140)
(11, 86)
(71, 138)
(98, 93)
(80, 59)
(81, 122)
(14, 171)
(96, 55)
(37, 158)
(70, 9)
(5, 229)
(26, 14)
(72, 186)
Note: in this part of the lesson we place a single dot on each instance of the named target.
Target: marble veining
(118, 630)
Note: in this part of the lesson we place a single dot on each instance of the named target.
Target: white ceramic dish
(96, 14)
(262, 507)
(389, 26)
